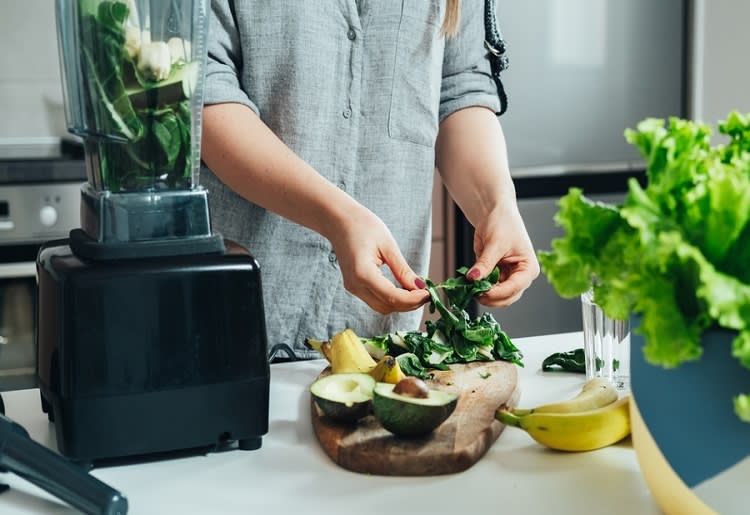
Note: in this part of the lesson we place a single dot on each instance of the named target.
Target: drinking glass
(606, 344)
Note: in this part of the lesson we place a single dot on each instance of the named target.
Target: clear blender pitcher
(133, 83)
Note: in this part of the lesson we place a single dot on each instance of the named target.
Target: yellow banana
(578, 431)
(596, 392)
(347, 354)
(388, 371)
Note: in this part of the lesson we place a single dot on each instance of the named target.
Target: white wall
(30, 91)
(721, 71)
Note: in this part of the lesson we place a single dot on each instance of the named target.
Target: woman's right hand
(363, 245)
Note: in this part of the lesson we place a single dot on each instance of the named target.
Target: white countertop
(291, 474)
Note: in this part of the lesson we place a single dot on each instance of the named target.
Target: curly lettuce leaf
(742, 407)
(589, 226)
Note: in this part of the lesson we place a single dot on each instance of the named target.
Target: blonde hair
(452, 18)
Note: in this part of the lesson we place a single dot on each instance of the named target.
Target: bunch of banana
(594, 418)
(346, 353)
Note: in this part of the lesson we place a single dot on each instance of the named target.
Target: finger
(487, 301)
(401, 270)
(506, 292)
(485, 263)
(381, 294)
(391, 298)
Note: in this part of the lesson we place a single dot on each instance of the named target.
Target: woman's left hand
(501, 240)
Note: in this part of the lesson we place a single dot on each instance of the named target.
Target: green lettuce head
(677, 251)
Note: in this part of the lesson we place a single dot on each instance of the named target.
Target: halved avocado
(344, 397)
(414, 413)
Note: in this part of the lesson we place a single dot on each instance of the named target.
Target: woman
(323, 124)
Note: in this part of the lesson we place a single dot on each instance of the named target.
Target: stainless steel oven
(39, 201)
(41, 170)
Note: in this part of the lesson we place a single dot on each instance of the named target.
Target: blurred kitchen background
(581, 72)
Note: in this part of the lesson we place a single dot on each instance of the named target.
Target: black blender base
(250, 444)
(93, 430)
(152, 355)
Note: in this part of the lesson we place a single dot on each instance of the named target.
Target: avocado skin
(340, 412)
(409, 419)
(336, 409)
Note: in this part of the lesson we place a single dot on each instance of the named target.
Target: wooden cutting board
(454, 446)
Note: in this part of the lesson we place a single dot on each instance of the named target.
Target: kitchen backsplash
(31, 107)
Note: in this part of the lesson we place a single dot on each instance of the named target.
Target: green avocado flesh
(403, 415)
(344, 397)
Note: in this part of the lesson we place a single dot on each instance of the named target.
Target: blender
(150, 327)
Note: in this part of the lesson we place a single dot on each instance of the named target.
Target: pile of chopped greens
(677, 251)
(454, 337)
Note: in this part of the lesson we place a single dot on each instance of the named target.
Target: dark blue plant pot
(689, 413)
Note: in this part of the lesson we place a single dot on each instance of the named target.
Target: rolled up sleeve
(224, 63)
(467, 79)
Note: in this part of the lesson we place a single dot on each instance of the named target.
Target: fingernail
(474, 274)
(420, 283)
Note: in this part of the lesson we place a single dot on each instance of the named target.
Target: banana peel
(388, 371)
(347, 354)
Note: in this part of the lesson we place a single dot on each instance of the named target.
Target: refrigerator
(581, 72)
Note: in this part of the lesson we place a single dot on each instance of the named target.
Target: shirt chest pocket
(415, 94)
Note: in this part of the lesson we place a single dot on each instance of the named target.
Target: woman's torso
(354, 89)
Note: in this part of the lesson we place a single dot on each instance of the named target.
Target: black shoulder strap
(494, 42)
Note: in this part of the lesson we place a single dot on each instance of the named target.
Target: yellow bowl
(671, 494)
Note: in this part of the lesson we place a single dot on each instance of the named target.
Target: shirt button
(342, 185)
(347, 113)
(332, 257)
(352, 35)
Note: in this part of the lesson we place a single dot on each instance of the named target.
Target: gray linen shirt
(357, 89)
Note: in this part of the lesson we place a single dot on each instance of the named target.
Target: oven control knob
(48, 216)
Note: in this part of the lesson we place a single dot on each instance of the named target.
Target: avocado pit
(412, 387)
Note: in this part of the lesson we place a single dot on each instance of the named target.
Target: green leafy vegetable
(570, 361)
(677, 251)
(452, 338)
(411, 366)
(144, 144)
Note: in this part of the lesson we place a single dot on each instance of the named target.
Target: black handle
(55, 474)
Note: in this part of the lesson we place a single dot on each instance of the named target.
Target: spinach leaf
(570, 361)
(411, 365)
